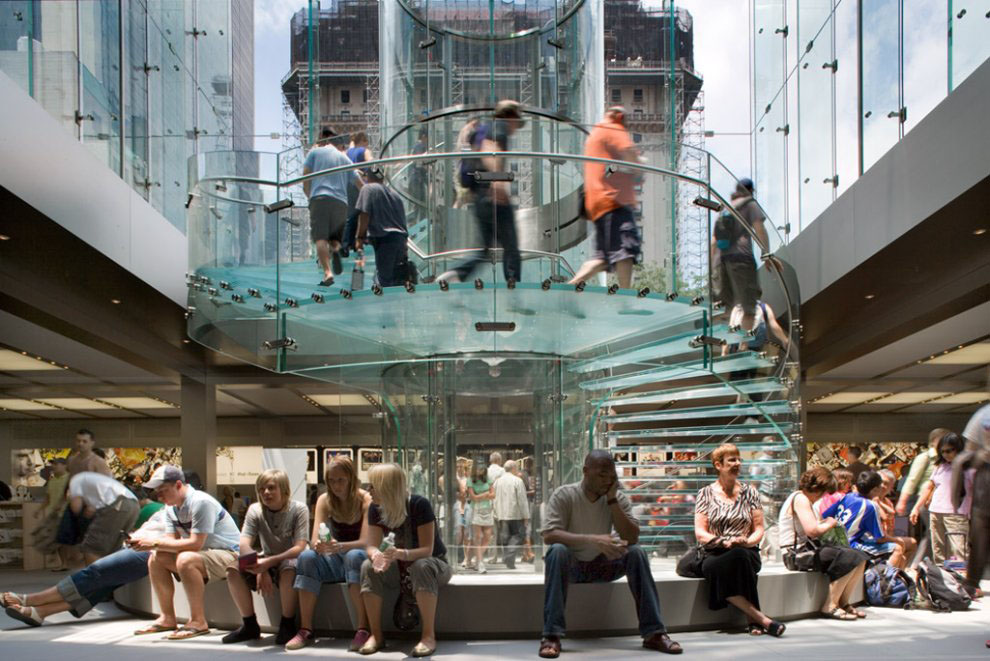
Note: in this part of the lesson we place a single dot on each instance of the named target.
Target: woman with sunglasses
(949, 528)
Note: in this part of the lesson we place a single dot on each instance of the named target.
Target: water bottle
(324, 533)
(388, 542)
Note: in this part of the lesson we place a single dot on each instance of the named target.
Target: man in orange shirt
(608, 200)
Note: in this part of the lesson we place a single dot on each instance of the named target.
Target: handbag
(801, 556)
(689, 565)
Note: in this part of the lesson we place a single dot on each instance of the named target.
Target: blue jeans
(561, 568)
(96, 583)
(314, 569)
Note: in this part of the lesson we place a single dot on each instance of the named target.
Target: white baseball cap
(166, 473)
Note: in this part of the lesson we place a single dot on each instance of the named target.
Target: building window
(364, 95)
(637, 96)
(345, 96)
(638, 113)
(345, 115)
(616, 95)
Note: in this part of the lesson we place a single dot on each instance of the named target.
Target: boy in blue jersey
(857, 512)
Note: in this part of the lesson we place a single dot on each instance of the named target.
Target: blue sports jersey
(859, 516)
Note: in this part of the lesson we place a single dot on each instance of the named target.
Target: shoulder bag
(801, 556)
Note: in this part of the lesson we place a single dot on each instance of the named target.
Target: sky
(721, 54)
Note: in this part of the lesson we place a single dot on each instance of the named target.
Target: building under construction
(649, 68)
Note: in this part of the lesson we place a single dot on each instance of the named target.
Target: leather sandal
(839, 614)
(549, 647)
(776, 629)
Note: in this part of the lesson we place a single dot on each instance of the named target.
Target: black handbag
(801, 556)
(689, 566)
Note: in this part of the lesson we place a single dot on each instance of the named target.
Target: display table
(17, 522)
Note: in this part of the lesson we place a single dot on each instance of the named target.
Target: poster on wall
(239, 465)
(894, 456)
(367, 459)
(132, 466)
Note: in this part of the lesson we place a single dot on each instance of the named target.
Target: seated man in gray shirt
(582, 548)
(201, 541)
(382, 223)
(279, 527)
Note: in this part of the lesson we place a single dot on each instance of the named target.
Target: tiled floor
(105, 634)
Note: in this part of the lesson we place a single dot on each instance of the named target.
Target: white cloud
(274, 15)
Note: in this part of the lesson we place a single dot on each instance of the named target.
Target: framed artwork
(366, 459)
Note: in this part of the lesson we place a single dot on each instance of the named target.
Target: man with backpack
(492, 198)
(732, 254)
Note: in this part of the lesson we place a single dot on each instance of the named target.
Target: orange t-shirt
(603, 194)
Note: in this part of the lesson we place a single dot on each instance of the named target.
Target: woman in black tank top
(343, 513)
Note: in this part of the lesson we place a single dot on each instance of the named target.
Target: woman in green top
(482, 496)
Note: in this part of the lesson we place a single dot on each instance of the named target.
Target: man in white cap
(201, 541)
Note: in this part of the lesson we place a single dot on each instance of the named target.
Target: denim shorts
(314, 569)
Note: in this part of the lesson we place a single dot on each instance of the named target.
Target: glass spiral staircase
(543, 368)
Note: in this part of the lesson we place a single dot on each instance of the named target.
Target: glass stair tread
(779, 407)
(749, 387)
(697, 478)
(706, 463)
(710, 430)
(747, 446)
(673, 345)
(743, 360)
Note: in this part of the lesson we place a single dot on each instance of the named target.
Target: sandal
(776, 629)
(839, 614)
(8, 599)
(852, 610)
(31, 618)
(755, 629)
(154, 628)
(185, 633)
(550, 647)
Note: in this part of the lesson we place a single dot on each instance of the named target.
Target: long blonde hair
(345, 510)
(389, 483)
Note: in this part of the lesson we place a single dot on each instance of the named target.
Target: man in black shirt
(382, 223)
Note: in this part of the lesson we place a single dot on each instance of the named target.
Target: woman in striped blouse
(728, 521)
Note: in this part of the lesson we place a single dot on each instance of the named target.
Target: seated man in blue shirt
(858, 514)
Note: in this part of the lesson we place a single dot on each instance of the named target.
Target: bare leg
(354, 592)
(286, 593)
(427, 602)
(623, 272)
(192, 571)
(240, 592)
(479, 544)
(835, 591)
(373, 607)
(323, 256)
(749, 610)
(897, 558)
(47, 596)
(855, 578)
(307, 604)
(588, 269)
(160, 567)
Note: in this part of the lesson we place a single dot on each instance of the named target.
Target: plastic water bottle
(388, 542)
(324, 533)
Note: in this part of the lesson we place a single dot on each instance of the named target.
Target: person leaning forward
(582, 548)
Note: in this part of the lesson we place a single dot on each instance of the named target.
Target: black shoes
(242, 634)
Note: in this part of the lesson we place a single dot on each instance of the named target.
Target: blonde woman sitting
(417, 550)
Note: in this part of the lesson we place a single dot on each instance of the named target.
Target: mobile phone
(245, 561)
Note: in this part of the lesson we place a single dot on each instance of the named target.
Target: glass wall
(144, 84)
(837, 83)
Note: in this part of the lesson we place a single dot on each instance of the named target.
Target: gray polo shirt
(276, 532)
(569, 510)
(202, 513)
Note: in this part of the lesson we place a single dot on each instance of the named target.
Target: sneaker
(360, 638)
(285, 633)
(449, 277)
(482, 569)
(242, 634)
(303, 638)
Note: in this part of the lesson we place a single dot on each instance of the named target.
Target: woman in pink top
(949, 526)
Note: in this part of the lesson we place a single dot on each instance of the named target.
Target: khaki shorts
(216, 562)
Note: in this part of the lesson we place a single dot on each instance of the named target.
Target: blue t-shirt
(202, 513)
(331, 185)
(859, 516)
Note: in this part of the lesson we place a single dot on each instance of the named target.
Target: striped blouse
(729, 519)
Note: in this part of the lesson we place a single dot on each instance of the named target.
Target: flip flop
(8, 599)
(31, 619)
(185, 633)
(755, 629)
(154, 628)
(839, 614)
(852, 610)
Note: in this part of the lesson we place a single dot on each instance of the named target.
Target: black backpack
(728, 229)
(943, 588)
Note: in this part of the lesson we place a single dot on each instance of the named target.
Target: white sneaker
(449, 277)
(482, 569)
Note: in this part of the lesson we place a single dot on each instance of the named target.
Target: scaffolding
(692, 220)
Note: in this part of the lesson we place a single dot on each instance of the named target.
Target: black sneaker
(335, 264)
(286, 632)
(242, 634)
